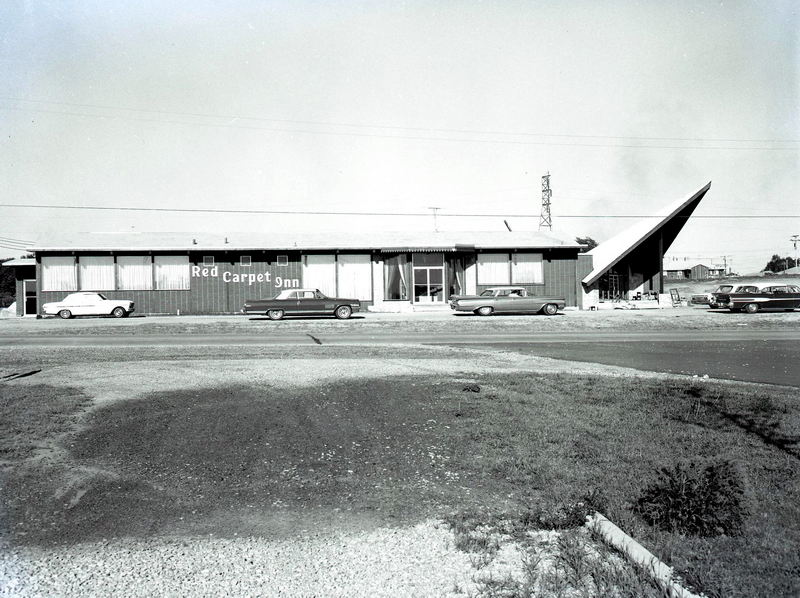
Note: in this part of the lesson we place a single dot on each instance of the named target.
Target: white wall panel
(59, 274)
(493, 268)
(319, 272)
(172, 272)
(134, 273)
(526, 268)
(96, 272)
(355, 277)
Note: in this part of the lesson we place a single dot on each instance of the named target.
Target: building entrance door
(428, 277)
(30, 297)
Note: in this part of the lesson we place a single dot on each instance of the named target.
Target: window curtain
(96, 273)
(59, 274)
(355, 277)
(394, 278)
(526, 268)
(134, 273)
(493, 268)
(319, 272)
(172, 272)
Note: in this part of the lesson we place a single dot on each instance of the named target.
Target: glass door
(30, 297)
(428, 277)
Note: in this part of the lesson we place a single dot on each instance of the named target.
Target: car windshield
(726, 288)
(103, 297)
(487, 293)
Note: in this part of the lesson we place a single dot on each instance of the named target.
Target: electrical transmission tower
(545, 220)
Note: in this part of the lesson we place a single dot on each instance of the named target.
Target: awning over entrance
(663, 226)
(417, 249)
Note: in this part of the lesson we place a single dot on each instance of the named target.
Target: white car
(88, 304)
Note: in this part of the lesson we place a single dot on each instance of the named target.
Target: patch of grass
(265, 460)
(31, 417)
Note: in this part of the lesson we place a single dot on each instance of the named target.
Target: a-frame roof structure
(668, 222)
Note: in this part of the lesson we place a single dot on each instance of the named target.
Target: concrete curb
(616, 538)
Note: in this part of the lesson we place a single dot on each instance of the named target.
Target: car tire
(550, 309)
(119, 312)
(65, 314)
(343, 312)
(484, 311)
(750, 308)
(275, 314)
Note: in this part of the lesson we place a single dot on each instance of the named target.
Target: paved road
(770, 356)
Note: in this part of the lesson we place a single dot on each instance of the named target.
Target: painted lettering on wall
(249, 279)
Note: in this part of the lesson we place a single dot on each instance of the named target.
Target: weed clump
(696, 500)
(566, 515)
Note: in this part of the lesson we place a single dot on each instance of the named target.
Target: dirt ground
(287, 462)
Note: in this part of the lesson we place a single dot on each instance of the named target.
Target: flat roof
(20, 261)
(383, 241)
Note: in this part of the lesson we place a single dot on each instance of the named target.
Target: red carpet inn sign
(194, 274)
(249, 279)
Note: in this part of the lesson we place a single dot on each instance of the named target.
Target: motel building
(182, 273)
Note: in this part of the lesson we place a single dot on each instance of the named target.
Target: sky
(362, 109)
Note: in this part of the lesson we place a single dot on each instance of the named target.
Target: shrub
(697, 500)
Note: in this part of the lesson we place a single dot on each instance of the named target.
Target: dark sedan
(302, 302)
(766, 297)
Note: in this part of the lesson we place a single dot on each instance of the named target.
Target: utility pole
(725, 263)
(545, 220)
(435, 221)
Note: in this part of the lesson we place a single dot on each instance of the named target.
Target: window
(319, 272)
(96, 273)
(355, 277)
(59, 274)
(208, 260)
(172, 272)
(526, 268)
(493, 268)
(134, 273)
(283, 260)
(395, 285)
(309, 295)
(244, 261)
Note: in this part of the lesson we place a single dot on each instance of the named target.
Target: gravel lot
(430, 322)
(327, 555)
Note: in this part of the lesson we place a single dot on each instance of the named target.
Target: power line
(9, 239)
(403, 137)
(414, 214)
(393, 127)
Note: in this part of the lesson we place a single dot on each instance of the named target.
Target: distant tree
(8, 289)
(587, 241)
(779, 264)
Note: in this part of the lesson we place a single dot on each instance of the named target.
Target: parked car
(755, 298)
(708, 297)
(720, 297)
(507, 299)
(88, 304)
(302, 302)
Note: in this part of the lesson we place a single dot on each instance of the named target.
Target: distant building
(696, 272)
